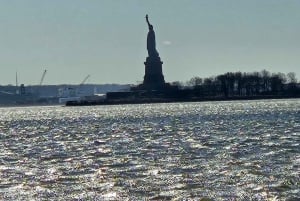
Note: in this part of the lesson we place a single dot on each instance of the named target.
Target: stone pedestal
(154, 78)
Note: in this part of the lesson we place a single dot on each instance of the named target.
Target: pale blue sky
(107, 38)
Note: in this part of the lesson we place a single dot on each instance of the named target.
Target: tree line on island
(238, 84)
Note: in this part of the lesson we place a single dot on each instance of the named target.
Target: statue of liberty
(152, 52)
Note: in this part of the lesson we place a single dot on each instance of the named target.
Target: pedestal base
(153, 78)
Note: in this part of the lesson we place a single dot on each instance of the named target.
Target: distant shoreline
(157, 100)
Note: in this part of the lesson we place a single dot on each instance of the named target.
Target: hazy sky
(107, 38)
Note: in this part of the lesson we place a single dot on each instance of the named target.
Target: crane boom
(43, 76)
(85, 79)
(17, 79)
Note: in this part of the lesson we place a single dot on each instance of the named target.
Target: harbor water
(236, 150)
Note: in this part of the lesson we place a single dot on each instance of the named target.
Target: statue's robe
(151, 45)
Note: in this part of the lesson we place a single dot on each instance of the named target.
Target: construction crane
(43, 76)
(80, 87)
(85, 79)
(17, 84)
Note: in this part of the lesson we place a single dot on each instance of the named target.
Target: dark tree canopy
(237, 84)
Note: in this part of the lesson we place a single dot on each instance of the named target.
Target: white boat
(70, 94)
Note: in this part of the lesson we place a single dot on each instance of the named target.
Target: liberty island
(229, 86)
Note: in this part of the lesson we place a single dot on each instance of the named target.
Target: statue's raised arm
(149, 25)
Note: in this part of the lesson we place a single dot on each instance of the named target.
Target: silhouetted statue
(152, 52)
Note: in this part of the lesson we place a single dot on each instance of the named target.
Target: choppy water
(241, 150)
